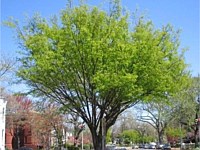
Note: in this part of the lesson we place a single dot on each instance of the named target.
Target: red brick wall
(26, 138)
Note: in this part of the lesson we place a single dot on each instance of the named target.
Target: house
(24, 138)
(2, 122)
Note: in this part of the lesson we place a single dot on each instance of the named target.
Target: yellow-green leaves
(97, 65)
(90, 52)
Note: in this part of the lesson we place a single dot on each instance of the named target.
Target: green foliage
(132, 136)
(95, 63)
(71, 147)
(184, 105)
(86, 146)
(175, 132)
(147, 139)
(109, 136)
(129, 136)
(91, 46)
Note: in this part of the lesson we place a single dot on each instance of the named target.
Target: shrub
(71, 147)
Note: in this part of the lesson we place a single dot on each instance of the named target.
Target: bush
(71, 147)
(86, 146)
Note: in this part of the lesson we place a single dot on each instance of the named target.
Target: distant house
(26, 127)
(2, 123)
(29, 135)
(24, 138)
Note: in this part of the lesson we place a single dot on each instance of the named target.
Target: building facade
(21, 137)
(2, 122)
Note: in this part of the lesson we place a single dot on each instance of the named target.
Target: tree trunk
(160, 137)
(99, 129)
(18, 138)
(97, 142)
(98, 137)
(59, 142)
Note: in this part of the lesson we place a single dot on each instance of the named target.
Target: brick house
(20, 137)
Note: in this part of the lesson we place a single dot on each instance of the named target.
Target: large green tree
(96, 64)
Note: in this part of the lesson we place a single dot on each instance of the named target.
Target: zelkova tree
(96, 64)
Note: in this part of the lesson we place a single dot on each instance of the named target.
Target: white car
(146, 146)
(152, 146)
(135, 146)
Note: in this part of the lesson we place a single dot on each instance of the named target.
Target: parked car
(151, 146)
(120, 148)
(141, 145)
(110, 147)
(159, 146)
(166, 146)
(146, 146)
(134, 146)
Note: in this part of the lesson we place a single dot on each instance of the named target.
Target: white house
(2, 123)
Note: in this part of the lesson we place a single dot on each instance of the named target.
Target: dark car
(120, 148)
(110, 147)
(166, 147)
(141, 145)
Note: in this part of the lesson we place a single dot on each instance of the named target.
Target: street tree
(97, 64)
(55, 121)
(174, 111)
(190, 110)
(196, 93)
(130, 136)
(175, 133)
(48, 123)
(6, 66)
(187, 109)
(157, 115)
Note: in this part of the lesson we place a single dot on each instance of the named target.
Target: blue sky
(182, 14)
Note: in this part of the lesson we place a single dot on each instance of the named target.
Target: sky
(182, 14)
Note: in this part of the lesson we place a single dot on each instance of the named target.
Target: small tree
(48, 124)
(130, 136)
(175, 133)
(6, 66)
